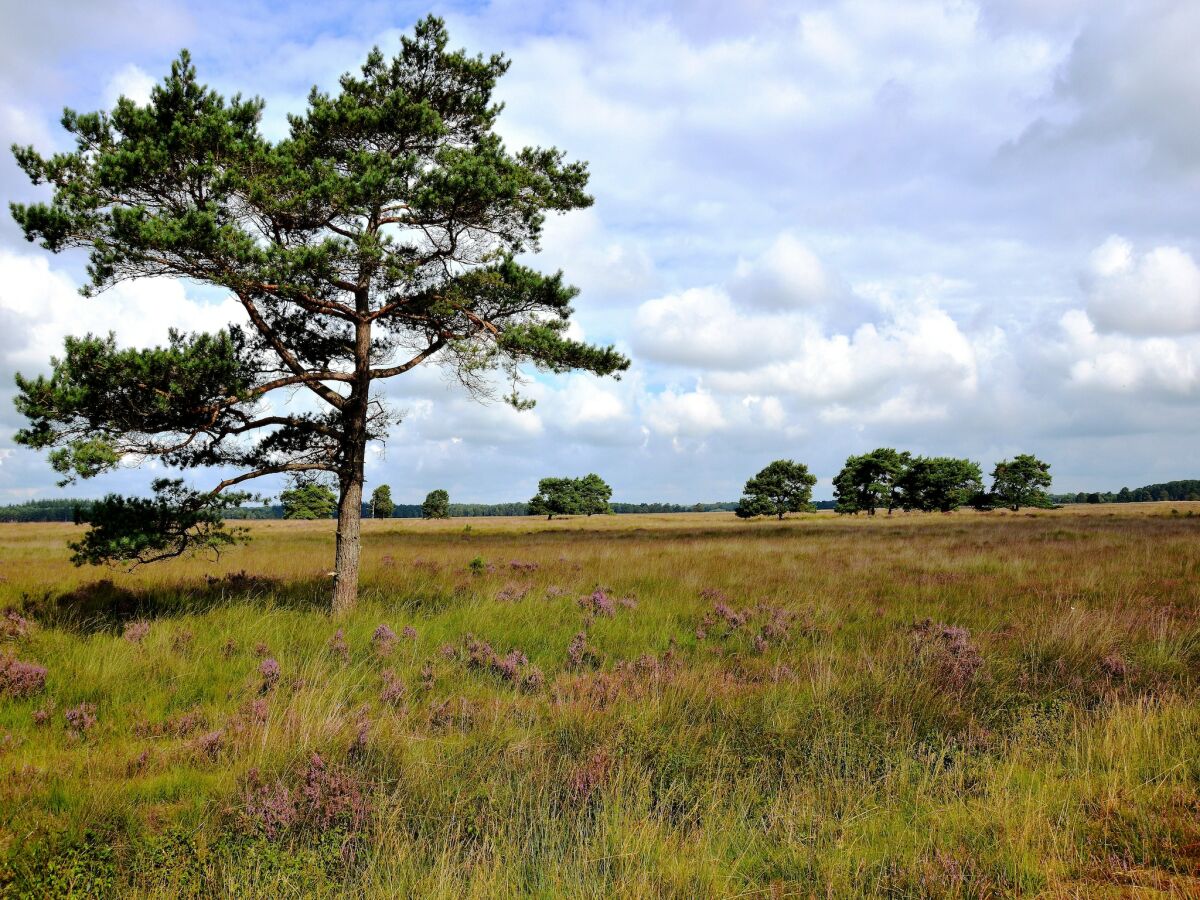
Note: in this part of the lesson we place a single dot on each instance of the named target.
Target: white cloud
(689, 414)
(1157, 293)
(1120, 364)
(129, 81)
(787, 276)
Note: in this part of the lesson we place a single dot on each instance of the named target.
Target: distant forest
(64, 510)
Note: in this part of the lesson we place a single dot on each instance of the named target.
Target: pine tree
(381, 233)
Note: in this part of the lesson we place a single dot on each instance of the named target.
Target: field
(682, 706)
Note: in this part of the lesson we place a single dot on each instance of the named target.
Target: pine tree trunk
(349, 545)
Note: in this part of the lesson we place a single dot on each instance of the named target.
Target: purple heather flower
(269, 670)
(383, 640)
(409, 633)
(338, 646)
(20, 679)
(135, 632)
(81, 718)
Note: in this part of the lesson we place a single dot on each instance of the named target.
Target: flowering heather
(136, 632)
(728, 615)
(258, 710)
(760, 644)
(627, 603)
(949, 650)
(383, 640)
(229, 648)
(181, 641)
(271, 806)
(533, 680)
(338, 646)
(452, 712)
(81, 718)
(41, 717)
(716, 595)
(1114, 666)
(394, 691)
(511, 593)
(510, 667)
(318, 800)
(261, 650)
(269, 670)
(581, 653)
(427, 676)
(447, 651)
(137, 764)
(14, 626)
(210, 744)
(555, 591)
(599, 603)
(362, 732)
(589, 775)
(20, 679)
(408, 633)
(518, 566)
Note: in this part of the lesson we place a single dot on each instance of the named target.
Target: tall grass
(949, 706)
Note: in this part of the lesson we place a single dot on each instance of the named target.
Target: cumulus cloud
(1155, 293)
(1131, 366)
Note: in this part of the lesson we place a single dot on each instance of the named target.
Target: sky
(954, 227)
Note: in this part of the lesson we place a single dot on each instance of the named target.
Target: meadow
(924, 705)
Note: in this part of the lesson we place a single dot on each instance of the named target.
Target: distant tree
(782, 487)
(556, 497)
(1093, 498)
(379, 233)
(308, 499)
(870, 481)
(594, 494)
(939, 483)
(381, 502)
(1021, 482)
(436, 505)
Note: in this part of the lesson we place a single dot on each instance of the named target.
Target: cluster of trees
(888, 479)
(571, 497)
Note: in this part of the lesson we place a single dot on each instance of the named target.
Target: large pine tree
(378, 235)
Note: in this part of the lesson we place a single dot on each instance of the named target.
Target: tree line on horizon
(64, 509)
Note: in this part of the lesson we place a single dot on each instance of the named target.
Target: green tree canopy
(1021, 482)
(870, 481)
(782, 487)
(939, 483)
(308, 499)
(594, 494)
(556, 497)
(436, 505)
(381, 502)
(382, 232)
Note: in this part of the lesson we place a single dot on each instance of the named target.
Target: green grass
(835, 761)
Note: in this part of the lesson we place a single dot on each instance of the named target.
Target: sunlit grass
(829, 757)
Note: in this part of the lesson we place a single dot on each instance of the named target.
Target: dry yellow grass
(768, 716)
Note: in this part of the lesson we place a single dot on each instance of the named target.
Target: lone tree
(436, 505)
(382, 506)
(556, 497)
(782, 487)
(1021, 482)
(308, 498)
(869, 481)
(940, 483)
(594, 494)
(378, 235)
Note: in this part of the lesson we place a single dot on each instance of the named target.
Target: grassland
(928, 705)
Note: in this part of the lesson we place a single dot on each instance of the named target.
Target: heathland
(690, 705)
